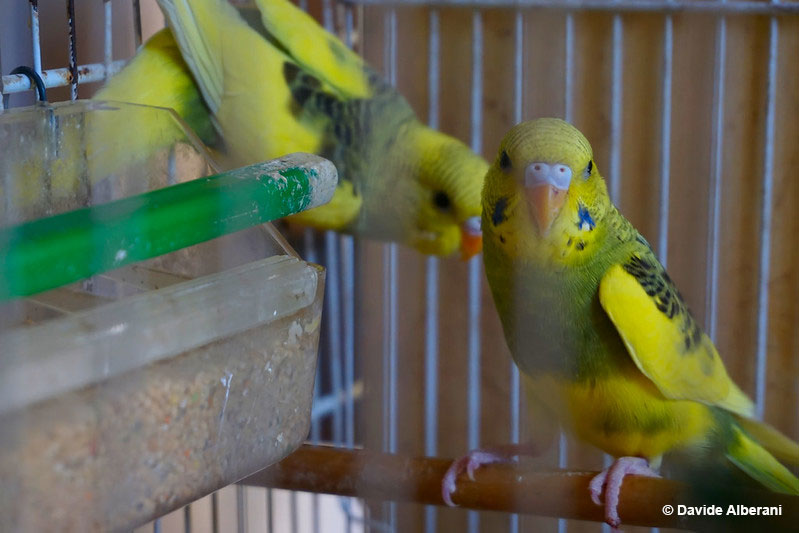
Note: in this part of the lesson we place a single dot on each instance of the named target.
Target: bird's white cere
(473, 225)
(539, 173)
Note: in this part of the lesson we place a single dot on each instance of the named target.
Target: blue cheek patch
(584, 222)
(498, 216)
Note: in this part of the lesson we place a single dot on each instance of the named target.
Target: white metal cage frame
(338, 385)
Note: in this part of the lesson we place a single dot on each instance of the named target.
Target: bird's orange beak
(471, 238)
(547, 202)
(545, 186)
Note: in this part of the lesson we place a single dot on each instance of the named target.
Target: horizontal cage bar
(745, 7)
(60, 77)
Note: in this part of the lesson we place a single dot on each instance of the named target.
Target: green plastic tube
(50, 252)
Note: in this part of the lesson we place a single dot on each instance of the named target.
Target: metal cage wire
(338, 382)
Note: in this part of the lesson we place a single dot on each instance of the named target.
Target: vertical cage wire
(241, 509)
(348, 273)
(518, 100)
(431, 281)
(269, 510)
(568, 115)
(347, 254)
(665, 140)
(333, 311)
(309, 247)
(333, 304)
(315, 438)
(108, 39)
(348, 402)
(137, 24)
(390, 281)
(348, 293)
(390, 276)
(3, 97)
(568, 74)
(475, 264)
(765, 221)
(714, 209)
(187, 519)
(614, 185)
(614, 178)
(215, 512)
(73, 51)
(36, 40)
(327, 15)
(294, 516)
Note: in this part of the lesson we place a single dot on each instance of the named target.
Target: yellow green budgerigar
(606, 345)
(286, 85)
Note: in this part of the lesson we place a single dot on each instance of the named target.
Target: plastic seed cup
(136, 391)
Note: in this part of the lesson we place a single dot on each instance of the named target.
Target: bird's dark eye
(504, 161)
(588, 169)
(441, 200)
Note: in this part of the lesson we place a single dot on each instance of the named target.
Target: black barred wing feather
(662, 336)
(356, 128)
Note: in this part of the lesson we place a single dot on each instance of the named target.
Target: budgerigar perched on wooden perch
(606, 344)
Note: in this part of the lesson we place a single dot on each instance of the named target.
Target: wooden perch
(511, 488)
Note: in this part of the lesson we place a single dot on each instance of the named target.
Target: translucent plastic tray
(127, 395)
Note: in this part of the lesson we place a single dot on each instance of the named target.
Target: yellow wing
(317, 51)
(241, 76)
(158, 76)
(663, 338)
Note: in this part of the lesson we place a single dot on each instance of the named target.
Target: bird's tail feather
(755, 461)
(772, 440)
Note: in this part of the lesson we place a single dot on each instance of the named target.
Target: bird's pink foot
(474, 460)
(609, 482)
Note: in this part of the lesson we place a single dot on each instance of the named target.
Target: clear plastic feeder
(136, 391)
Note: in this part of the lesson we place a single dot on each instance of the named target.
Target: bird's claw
(448, 485)
(596, 485)
(609, 481)
(469, 463)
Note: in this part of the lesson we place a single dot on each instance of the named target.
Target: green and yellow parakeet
(298, 88)
(606, 344)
